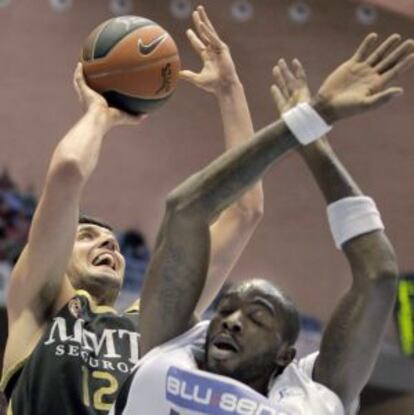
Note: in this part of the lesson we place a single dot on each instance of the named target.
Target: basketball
(133, 62)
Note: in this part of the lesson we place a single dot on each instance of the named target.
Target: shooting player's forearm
(77, 154)
(56, 216)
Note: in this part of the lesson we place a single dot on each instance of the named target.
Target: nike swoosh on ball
(146, 49)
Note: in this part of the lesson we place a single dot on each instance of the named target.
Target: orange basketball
(133, 62)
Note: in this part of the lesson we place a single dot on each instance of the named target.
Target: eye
(225, 310)
(85, 236)
(259, 316)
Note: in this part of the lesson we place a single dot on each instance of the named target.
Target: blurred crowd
(16, 211)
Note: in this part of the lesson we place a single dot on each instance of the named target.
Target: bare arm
(232, 230)
(352, 338)
(351, 341)
(38, 287)
(178, 269)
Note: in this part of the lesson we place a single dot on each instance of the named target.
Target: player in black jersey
(68, 351)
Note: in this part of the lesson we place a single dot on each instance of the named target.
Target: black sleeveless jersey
(79, 364)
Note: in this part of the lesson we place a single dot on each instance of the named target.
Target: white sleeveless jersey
(167, 382)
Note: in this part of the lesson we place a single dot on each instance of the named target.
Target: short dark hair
(85, 219)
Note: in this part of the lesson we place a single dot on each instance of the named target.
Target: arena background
(39, 48)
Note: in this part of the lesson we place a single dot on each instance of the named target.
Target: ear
(286, 355)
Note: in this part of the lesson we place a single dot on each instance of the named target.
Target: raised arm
(351, 341)
(38, 286)
(234, 227)
(178, 268)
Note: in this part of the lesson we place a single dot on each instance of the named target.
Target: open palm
(218, 67)
(290, 87)
(359, 84)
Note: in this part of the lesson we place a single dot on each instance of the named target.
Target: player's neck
(259, 385)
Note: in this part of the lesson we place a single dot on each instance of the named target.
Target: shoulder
(192, 341)
(296, 385)
(306, 364)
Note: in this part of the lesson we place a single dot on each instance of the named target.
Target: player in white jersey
(168, 381)
(250, 339)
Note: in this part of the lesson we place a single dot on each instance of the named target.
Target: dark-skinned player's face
(97, 264)
(245, 338)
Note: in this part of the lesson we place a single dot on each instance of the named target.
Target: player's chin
(104, 287)
(106, 277)
(221, 365)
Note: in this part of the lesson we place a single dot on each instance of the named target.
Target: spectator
(136, 252)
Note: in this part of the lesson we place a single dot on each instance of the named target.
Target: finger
(213, 40)
(299, 71)
(365, 47)
(381, 51)
(396, 56)
(123, 118)
(205, 19)
(79, 82)
(195, 41)
(197, 24)
(280, 81)
(377, 100)
(287, 75)
(77, 75)
(278, 97)
(135, 119)
(401, 67)
(188, 76)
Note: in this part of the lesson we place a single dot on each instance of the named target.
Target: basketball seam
(96, 39)
(138, 66)
(121, 38)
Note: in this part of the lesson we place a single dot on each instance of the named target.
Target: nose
(109, 243)
(233, 322)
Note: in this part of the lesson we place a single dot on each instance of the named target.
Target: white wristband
(353, 216)
(305, 123)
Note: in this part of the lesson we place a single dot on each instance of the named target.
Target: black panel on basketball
(131, 105)
(115, 30)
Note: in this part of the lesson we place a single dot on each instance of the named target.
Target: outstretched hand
(92, 100)
(359, 84)
(290, 87)
(218, 70)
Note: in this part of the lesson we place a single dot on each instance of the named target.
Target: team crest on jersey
(75, 307)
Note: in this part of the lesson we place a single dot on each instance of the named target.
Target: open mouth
(223, 347)
(105, 260)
